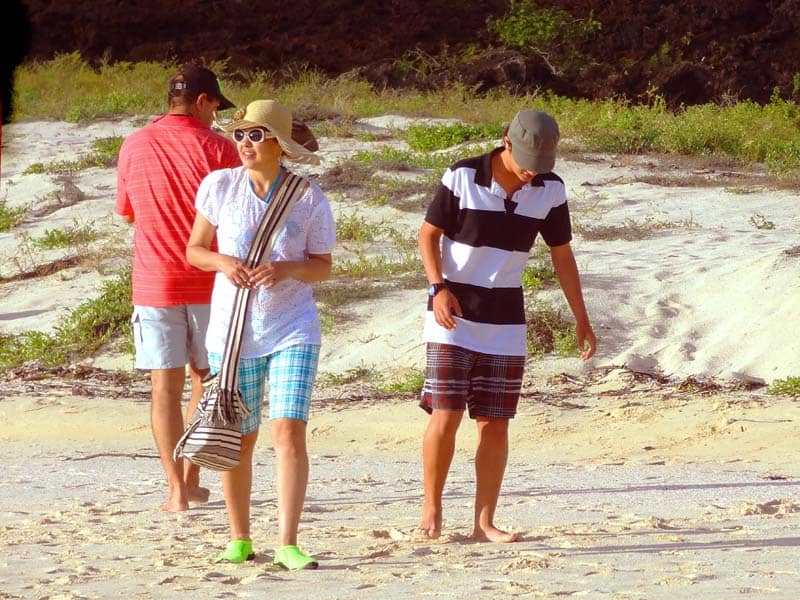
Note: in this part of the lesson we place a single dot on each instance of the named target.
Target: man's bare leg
(167, 423)
(438, 447)
(490, 465)
(191, 472)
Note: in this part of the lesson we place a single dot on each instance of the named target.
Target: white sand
(706, 295)
(621, 488)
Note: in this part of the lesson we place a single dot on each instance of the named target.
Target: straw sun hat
(277, 120)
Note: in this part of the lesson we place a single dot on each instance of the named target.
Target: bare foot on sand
(198, 495)
(430, 526)
(174, 506)
(422, 533)
(493, 534)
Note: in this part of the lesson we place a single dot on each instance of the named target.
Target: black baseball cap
(194, 79)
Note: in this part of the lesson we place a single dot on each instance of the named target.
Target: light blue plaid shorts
(290, 373)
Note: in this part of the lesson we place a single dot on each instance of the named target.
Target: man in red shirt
(160, 168)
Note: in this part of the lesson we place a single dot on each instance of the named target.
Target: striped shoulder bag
(213, 437)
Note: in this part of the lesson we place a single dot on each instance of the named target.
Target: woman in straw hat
(282, 334)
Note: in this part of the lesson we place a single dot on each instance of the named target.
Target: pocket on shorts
(136, 326)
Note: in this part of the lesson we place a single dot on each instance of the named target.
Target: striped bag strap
(290, 190)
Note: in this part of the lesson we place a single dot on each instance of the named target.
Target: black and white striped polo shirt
(485, 246)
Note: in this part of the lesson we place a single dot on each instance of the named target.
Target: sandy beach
(660, 469)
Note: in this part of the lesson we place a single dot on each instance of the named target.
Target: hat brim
(530, 161)
(224, 103)
(293, 151)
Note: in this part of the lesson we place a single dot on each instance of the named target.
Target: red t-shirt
(160, 168)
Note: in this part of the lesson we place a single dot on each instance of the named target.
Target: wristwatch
(435, 288)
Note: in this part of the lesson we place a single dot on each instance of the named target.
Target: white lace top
(286, 314)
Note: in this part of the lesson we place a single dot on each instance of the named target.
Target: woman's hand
(235, 270)
(268, 274)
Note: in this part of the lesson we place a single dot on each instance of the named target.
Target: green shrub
(550, 33)
(105, 152)
(65, 238)
(10, 217)
(548, 330)
(405, 381)
(537, 276)
(785, 387)
(354, 228)
(92, 324)
(425, 138)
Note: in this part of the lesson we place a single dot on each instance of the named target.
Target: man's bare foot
(493, 534)
(430, 526)
(198, 495)
(422, 533)
(174, 506)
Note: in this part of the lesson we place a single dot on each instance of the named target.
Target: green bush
(105, 152)
(425, 138)
(92, 324)
(549, 329)
(10, 217)
(65, 238)
(785, 387)
(550, 33)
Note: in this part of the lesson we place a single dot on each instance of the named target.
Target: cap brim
(225, 104)
(536, 163)
(294, 151)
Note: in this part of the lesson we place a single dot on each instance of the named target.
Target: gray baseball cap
(534, 137)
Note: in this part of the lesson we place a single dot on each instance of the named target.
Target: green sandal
(237, 551)
(291, 557)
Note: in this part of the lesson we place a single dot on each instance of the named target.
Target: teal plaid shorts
(290, 373)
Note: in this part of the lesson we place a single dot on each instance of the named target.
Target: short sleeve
(443, 210)
(322, 227)
(210, 193)
(557, 229)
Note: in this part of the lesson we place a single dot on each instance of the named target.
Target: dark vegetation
(687, 52)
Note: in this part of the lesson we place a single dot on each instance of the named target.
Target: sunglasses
(254, 135)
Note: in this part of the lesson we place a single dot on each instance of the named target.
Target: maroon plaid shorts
(457, 379)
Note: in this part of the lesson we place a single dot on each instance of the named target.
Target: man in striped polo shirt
(160, 168)
(474, 243)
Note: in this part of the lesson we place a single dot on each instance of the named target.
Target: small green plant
(353, 375)
(377, 266)
(393, 158)
(404, 381)
(743, 190)
(104, 154)
(785, 387)
(354, 228)
(65, 238)
(565, 343)
(759, 221)
(426, 138)
(549, 330)
(106, 149)
(10, 217)
(632, 230)
(537, 276)
(379, 200)
(327, 320)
